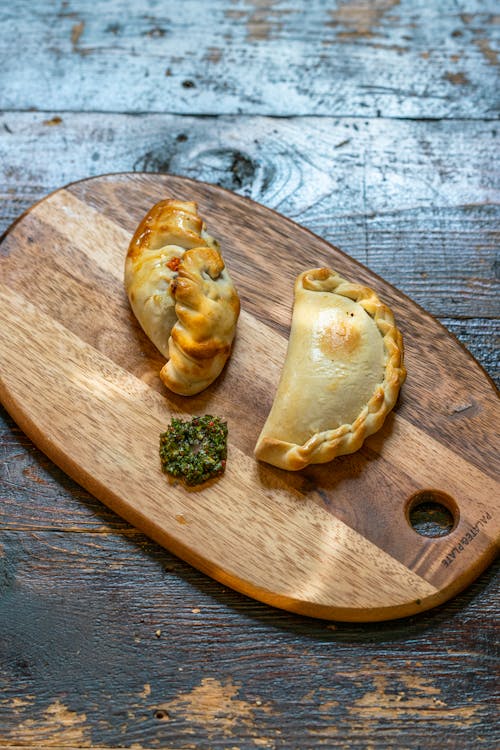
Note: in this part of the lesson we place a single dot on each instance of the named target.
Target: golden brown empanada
(341, 377)
(194, 294)
(207, 308)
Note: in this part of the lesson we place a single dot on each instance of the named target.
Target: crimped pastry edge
(189, 368)
(196, 361)
(347, 438)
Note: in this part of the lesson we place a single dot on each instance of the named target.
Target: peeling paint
(235, 15)
(261, 17)
(76, 32)
(457, 79)
(146, 691)
(418, 697)
(57, 724)
(53, 121)
(361, 17)
(213, 55)
(214, 705)
(490, 55)
(19, 702)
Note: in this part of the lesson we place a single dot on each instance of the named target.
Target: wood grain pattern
(411, 195)
(414, 201)
(302, 538)
(224, 670)
(349, 57)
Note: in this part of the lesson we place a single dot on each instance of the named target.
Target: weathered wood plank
(350, 57)
(197, 665)
(482, 339)
(417, 202)
(413, 201)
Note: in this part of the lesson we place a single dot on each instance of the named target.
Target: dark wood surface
(375, 125)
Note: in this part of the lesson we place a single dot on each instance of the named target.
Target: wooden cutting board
(332, 541)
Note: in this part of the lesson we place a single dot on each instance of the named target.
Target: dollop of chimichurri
(194, 450)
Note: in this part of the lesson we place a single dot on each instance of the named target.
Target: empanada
(175, 278)
(342, 373)
(207, 308)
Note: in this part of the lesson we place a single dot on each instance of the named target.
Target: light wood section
(81, 379)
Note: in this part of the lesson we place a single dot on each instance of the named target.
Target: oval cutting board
(332, 541)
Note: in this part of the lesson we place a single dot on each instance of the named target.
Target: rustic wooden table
(374, 124)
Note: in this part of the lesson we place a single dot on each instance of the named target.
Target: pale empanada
(156, 260)
(341, 377)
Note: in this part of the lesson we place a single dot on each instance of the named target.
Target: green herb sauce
(194, 450)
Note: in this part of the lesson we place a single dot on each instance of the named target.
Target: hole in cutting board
(432, 513)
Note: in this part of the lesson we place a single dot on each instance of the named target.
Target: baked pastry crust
(342, 373)
(155, 261)
(207, 308)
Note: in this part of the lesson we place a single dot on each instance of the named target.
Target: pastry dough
(169, 229)
(156, 258)
(207, 308)
(342, 373)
